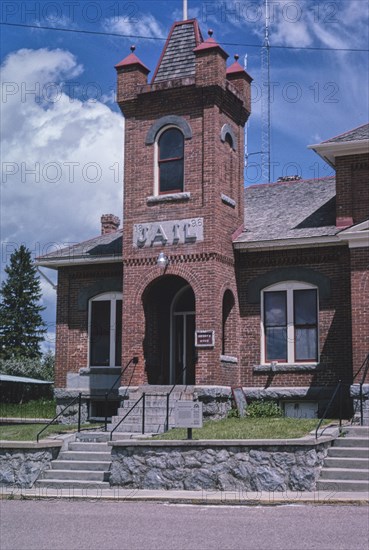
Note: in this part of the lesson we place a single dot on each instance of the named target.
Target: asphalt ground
(96, 525)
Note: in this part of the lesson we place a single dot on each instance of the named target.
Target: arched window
(170, 146)
(290, 323)
(105, 330)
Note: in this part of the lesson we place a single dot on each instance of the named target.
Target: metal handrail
(364, 366)
(142, 398)
(78, 398)
(338, 388)
(134, 361)
(168, 397)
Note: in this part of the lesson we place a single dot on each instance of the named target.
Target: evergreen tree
(21, 326)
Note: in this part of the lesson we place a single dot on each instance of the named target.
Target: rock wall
(22, 466)
(262, 466)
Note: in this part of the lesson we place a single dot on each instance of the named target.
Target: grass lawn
(28, 432)
(42, 408)
(248, 428)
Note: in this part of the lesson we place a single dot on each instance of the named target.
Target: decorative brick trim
(302, 274)
(227, 129)
(169, 120)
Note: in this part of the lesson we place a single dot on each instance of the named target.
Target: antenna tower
(265, 100)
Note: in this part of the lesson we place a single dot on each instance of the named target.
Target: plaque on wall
(204, 338)
(170, 232)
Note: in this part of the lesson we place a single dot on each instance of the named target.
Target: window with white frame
(169, 153)
(105, 330)
(289, 327)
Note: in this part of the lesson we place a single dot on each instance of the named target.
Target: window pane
(100, 334)
(171, 176)
(275, 313)
(118, 333)
(305, 307)
(276, 344)
(171, 144)
(306, 344)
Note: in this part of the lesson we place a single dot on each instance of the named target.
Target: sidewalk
(202, 497)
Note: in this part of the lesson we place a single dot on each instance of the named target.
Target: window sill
(170, 197)
(99, 370)
(309, 367)
(227, 200)
(228, 359)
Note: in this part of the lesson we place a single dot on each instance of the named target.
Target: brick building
(207, 283)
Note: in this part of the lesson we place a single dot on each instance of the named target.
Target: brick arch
(169, 120)
(226, 129)
(180, 270)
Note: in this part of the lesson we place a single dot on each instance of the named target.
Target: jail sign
(188, 414)
(171, 232)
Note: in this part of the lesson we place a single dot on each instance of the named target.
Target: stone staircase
(346, 467)
(155, 409)
(86, 463)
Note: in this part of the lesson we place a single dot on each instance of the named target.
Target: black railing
(78, 399)
(176, 382)
(134, 362)
(365, 368)
(337, 391)
(142, 398)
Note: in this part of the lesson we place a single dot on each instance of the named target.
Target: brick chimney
(109, 223)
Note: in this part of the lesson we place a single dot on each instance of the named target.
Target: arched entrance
(169, 345)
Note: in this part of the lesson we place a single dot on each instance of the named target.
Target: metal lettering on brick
(204, 338)
(171, 232)
(188, 414)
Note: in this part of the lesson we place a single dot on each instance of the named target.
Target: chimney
(109, 223)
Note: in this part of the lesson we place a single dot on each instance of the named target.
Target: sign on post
(188, 414)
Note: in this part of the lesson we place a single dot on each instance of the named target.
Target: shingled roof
(104, 248)
(289, 210)
(357, 134)
(178, 59)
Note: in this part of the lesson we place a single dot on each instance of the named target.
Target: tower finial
(236, 56)
(132, 48)
(210, 32)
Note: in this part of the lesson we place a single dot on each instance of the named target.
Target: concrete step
(92, 437)
(80, 475)
(349, 452)
(101, 466)
(131, 428)
(352, 442)
(82, 456)
(77, 484)
(344, 462)
(344, 473)
(357, 431)
(336, 485)
(88, 447)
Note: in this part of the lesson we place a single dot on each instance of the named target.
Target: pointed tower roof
(131, 60)
(178, 59)
(210, 44)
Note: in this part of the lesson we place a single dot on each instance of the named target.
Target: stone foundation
(258, 465)
(21, 463)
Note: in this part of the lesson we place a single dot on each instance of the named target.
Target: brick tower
(183, 205)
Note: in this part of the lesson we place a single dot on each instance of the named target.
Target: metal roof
(22, 379)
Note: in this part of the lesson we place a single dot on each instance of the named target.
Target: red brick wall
(71, 351)
(360, 307)
(334, 315)
(352, 177)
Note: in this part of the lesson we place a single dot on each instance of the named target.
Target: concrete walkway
(237, 497)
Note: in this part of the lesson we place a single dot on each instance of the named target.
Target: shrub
(263, 409)
(42, 369)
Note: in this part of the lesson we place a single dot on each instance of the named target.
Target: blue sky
(62, 134)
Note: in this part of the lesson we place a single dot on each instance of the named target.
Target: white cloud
(62, 158)
(144, 25)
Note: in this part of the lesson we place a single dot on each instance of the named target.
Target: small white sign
(188, 414)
